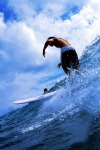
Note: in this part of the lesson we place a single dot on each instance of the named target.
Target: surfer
(45, 91)
(69, 56)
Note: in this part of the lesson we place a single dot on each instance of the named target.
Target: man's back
(59, 42)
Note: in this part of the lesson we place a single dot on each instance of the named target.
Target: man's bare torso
(59, 42)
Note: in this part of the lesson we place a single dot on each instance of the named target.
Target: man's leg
(66, 70)
(74, 60)
(66, 63)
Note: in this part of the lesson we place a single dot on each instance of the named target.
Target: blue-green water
(70, 120)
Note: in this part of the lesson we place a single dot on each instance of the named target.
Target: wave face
(69, 120)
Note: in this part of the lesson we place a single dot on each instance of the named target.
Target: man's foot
(68, 73)
(77, 72)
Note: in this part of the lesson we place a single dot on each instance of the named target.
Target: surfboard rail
(41, 97)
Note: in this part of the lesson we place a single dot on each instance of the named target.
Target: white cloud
(2, 24)
(22, 8)
(86, 28)
(27, 9)
(22, 42)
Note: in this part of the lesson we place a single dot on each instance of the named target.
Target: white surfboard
(41, 97)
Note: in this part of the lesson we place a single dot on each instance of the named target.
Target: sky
(25, 25)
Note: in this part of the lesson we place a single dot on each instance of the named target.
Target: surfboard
(41, 97)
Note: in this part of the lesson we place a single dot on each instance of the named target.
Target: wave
(68, 120)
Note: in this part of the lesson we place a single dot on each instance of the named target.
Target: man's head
(51, 37)
(45, 90)
(51, 40)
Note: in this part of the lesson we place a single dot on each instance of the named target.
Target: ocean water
(68, 121)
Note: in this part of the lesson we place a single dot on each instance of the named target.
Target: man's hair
(45, 90)
(51, 37)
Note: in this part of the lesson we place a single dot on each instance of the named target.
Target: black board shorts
(69, 60)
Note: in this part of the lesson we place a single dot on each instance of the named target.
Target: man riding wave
(69, 56)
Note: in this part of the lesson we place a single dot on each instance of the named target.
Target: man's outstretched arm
(45, 46)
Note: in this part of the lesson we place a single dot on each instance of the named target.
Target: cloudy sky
(24, 27)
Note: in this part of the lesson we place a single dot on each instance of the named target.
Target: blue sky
(24, 27)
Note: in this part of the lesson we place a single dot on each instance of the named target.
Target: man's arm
(45, 46)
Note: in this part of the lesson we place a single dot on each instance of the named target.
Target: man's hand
(59, 65)
(44, 53)
(45, 46)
